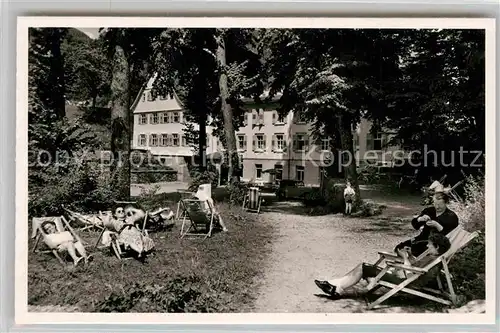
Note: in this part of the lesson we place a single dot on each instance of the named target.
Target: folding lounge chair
(64, 232)
(448, 297)
(253, 200)
(183, 194)
(391, 256)
(197, 218)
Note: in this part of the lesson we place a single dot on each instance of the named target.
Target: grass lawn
(218, 274)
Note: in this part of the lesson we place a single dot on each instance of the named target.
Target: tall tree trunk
(227, 111)
(57, 70)
(120, 125)
(347, 145)
(202, 143)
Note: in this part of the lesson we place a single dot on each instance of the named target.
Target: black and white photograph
(256, 169)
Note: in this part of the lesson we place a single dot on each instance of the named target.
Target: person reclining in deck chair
(438, 244)
(437, 218)
(63, 241)
(204, 194)
(123, 227)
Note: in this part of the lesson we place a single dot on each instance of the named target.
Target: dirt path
(311, 247)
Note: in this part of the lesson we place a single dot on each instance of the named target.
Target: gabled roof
(171, 103)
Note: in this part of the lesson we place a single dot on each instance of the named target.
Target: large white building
(266, 141)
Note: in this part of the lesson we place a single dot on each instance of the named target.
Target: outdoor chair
(459, 239)
(197, 218)
(87, 222)
(253, 200)
(64, 233)
(183, 194)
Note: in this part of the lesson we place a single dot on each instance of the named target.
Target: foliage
(468, 266)
(314, 198)
(471, 211)
(333, 194)
(181, 294)
(83, 187)
(368, 209)
(199, 177)
(237, 192)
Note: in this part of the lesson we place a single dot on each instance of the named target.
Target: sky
(91, 32)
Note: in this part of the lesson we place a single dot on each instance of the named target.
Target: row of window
(147, 95)
(160, 118)
(299, 172)
(162, 140)
(300, 142)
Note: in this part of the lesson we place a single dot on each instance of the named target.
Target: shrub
(202, 177)
(314, 198)
(471, 211)
(236, 192)
(468, 266)
(368, 209)
(80, 187)
(181, 294)
(333, 196)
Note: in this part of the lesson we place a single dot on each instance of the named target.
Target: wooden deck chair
(253, 200)
(391, 256)
(87, 222)
(65, 232)
(197, 218)
(460, 238)
(183, 194)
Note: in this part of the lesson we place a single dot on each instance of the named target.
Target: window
(325, 144)
(143, 119)
(142, 140)
(144, 97)
(242, 142)
(175, 117)
(175, 140)
(163, 97)
(299, 173)
(261, 117)
(279, 172)
(154, 118)
(260, 141)
(377, 141)
(281, 119)
(166, 117)
(153, 140)
(279, 142)
(258, 171)
(164, 140)
(301, 142)
(245, 119)
(300, 118)
(254, 117)
(150, 96)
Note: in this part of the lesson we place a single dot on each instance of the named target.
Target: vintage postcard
(255, 170)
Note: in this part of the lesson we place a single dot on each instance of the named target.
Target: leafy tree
(209, 69)
(332, 77)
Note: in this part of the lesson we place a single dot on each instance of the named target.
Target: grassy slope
(226, 266)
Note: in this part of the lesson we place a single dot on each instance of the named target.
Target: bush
(83, 188)
(468, 266)
(471, 211)
(202, 177)
(368, 209)
(333, 196)
(182, 294)
(314, 198)
(236, 193)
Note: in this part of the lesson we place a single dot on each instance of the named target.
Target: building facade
(265, 141)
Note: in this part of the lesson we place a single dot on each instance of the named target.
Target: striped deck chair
(253, 200)
(459, 238)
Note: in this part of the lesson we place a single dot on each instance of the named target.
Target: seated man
(435, 219)
(63, 241)
(438, 244)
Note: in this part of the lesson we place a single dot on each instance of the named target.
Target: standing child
(348, 197)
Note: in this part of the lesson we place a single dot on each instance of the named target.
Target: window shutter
(261, 116)
(285, 146)
(161, 120)
(265, 142)
(254, 143)
(306, 143)
(384, 141)
(295, 143)
(274, 118)
(245, 142)
(273, 141)
(369, 141)
(254, 117)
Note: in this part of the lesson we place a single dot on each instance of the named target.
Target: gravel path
(320, 247)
